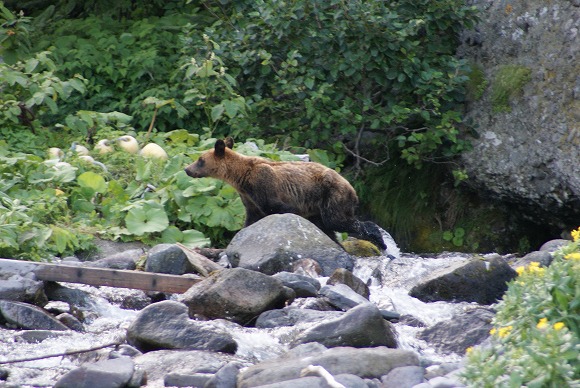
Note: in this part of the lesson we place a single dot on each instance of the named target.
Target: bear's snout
(190, 173)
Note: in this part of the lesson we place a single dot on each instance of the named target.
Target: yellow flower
(534, 264)
(469, 350)
(537, 270)
(492, 331)
(58, 192)
(572, 256)
(543, 323)
(504, 331)
(575, 234)
(520, 270)
(559, 326)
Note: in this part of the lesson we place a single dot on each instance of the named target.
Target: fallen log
(147, 281)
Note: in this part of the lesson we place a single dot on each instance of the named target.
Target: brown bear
(308, 189)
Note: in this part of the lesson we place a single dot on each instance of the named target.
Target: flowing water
(390, 281)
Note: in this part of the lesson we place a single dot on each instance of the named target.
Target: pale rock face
(529, 155)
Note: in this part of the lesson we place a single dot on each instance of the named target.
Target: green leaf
(93, 181)
(147, 217)
(217, 112)
(194, 239)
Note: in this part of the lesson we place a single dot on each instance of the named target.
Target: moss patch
(508, 82)
(476, 83)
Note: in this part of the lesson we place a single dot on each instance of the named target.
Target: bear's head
(211, 162)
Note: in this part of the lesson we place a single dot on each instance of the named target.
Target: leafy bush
(324, 73)
(536, 335)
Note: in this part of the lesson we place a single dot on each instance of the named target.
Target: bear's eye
(200, 162)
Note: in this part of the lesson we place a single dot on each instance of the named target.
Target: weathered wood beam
(147, 281)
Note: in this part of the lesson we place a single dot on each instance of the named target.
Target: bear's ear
(229, 142)
(219, 148)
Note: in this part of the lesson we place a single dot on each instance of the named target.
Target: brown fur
(308, 189)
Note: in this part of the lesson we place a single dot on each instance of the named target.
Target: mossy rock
(360, 248)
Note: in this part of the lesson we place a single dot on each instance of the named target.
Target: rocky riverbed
(282, 306)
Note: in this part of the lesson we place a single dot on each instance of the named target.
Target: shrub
(536, 334)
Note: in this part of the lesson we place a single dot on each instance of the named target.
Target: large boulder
(460, 332)
(276, 242)
(365, 363)
(362, 326)
(115, 373)
(481, 280)
(527, 150)
(237, 294)
(166, 325)
(27, 316)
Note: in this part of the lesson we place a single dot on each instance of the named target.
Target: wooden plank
(147, 281)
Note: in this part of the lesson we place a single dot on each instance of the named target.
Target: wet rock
(460, 332)
(36, 336)
(320, 304)
(225, 377)
(21, 288)
(237, 294)
(187, 380)
(166, 325)
(403, 377)
(370, 363)
(276, 242)
(342, 296)
(122, 260)
(103, 374)
(169, 259)
(290, 316)
(26, 316)
(344, 276)
(158, 364)
(71, 322)
(72, 296)
(362, 326)
(479, 280)
(303, 286)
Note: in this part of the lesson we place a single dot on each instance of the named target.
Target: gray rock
(479, 280)
(103, 374)
(72, 296)
(528, 156)
(276, 242)
(543, 257)
(36, 336)
(71, 322)
(186, 380)
(403, 377)
(166, 325)
(158, 364)
(106, 248)
(236, 294)
(553, 245)
(121, 260)
(168, 258)
(303, 286)
(342, 296)
(290, 316)
(344, 276)
(26, 316)
(20, 288)
(370, 363)
(444, 382)
(460, 332)
(225, 377)
(363, 326)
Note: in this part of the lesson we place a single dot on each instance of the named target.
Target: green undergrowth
(536, 334)
(55, 206)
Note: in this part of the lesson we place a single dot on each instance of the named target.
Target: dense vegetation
(352, 82)
(536, 334)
